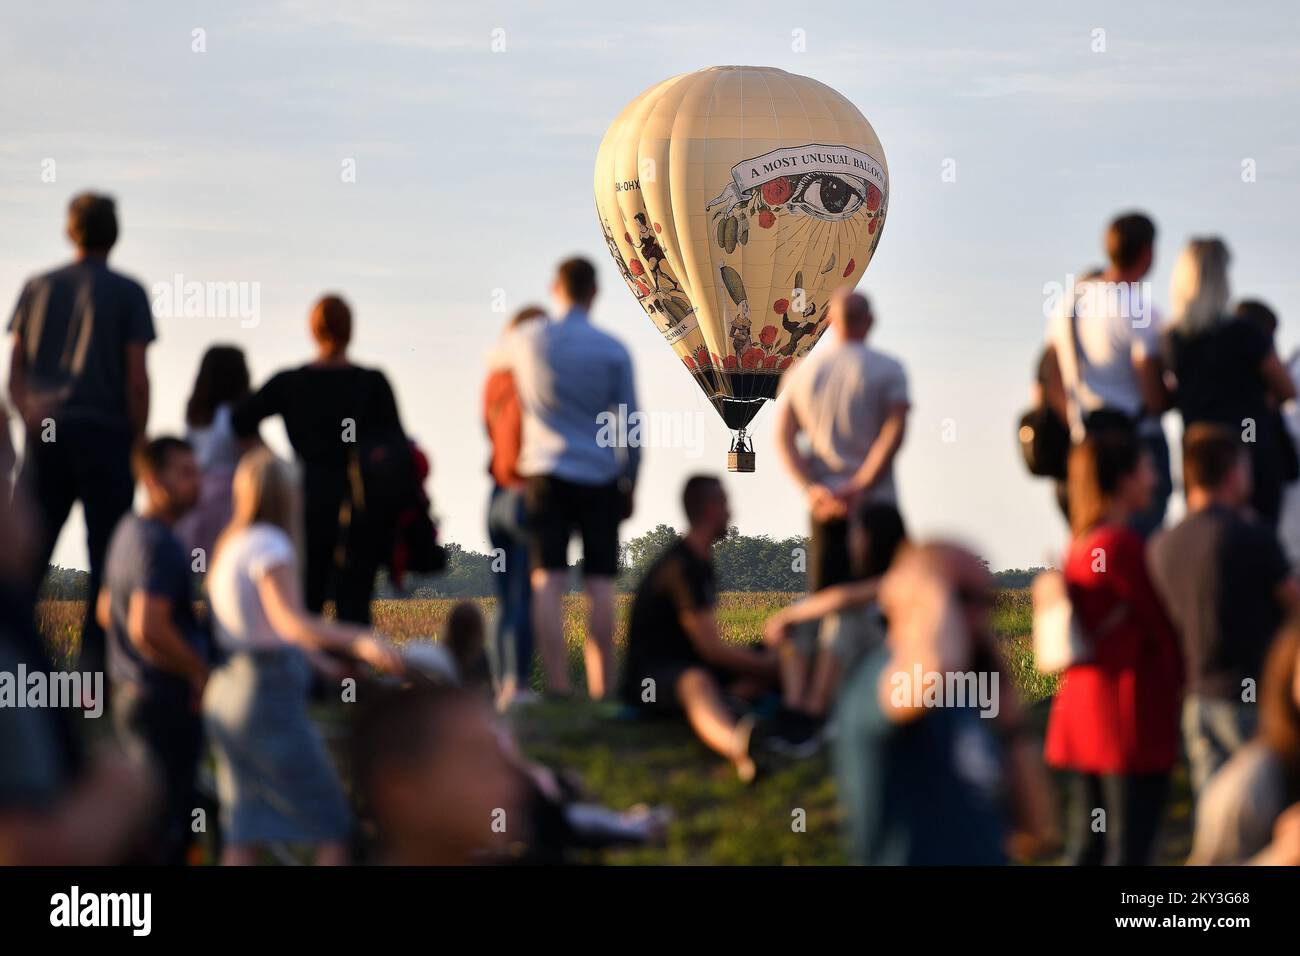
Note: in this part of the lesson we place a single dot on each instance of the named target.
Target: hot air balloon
(734, 200)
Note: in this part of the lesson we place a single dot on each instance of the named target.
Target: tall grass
(740, 616)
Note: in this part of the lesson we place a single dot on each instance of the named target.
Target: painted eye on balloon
(828, 196)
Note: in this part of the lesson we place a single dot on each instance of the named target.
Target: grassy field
(623, 762)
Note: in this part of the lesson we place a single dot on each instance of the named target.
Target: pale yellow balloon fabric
(734, 201)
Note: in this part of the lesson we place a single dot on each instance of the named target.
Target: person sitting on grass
(677, 661)
(811, 674)
(558, 816)
(931, 764)
(433, 778)
(466, 639)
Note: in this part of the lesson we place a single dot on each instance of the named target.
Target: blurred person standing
(511, 654)
(1103, 365)
(158, 655)
(1226, 586)
(1226, 369)
(931, 762)
(78, 378)
(61, 803)
(275, 780)
(1114, 721)
(334, 412)
(222, 383)
(850, 403)
(576, 388)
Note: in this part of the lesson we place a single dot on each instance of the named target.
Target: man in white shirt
(850, 404)
(576, 390)
(1105, 365)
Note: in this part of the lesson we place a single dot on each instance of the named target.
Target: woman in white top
(222, 382)
(275, 780)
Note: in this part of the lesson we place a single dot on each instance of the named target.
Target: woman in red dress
(1114, 722)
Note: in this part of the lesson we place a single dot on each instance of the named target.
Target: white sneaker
(521, 698)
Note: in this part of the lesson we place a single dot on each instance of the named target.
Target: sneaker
(796, 735)
(520, 698)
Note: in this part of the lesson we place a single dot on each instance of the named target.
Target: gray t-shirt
(75, 324)
(1237, 810)
(1217, 573)
(840, 396)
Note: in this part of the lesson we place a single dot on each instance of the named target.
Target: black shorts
(828, 555)
(829, 560)
(666, 674)
(557, 508)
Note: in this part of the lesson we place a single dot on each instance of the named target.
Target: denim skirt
(275, 779)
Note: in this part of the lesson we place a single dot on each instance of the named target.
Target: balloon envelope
(734, 200)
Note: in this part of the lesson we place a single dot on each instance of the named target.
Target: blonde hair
(264, 491)
(1198, 292)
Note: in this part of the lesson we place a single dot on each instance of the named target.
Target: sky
(1013, 132)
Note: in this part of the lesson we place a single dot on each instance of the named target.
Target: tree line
(742, 562)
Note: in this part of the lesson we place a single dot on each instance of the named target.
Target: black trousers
(351, 581)
(1134, 807)
(828, 555)
(88, 462)
(164, 727)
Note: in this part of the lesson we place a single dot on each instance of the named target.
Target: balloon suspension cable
(741, 457)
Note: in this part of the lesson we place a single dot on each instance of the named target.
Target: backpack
(385, 484)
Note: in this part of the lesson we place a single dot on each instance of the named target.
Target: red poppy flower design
(781, 306)
(770, 361)
(777, 191)
(702, 357)
(785, 362)
(636, 268)
(871, 227)
(730, 362)
(752, 357)
(768, 335)
(873, 198)
(765, 219)
(689, 362)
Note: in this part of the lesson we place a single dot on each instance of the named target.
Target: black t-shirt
(314, 401)
(1217, 573)
(75, 324)
(1218, 374)
(678, 582)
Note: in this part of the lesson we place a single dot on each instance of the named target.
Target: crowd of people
(210, 609)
